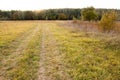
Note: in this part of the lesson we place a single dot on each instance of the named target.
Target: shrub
(107, 21)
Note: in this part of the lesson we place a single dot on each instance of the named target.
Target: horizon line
(52, 8)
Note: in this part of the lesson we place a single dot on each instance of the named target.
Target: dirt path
(51, 65)
(42, 70)
(11, 60)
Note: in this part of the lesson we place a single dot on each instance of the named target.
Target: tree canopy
(89, 14)
(56, 14)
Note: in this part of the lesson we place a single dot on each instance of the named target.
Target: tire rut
(11, 60)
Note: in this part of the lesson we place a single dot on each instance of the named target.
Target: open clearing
(52, 50)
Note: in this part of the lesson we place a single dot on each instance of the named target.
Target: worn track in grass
(10, 61)
(51, 66)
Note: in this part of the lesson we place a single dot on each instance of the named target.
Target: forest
(50, 14)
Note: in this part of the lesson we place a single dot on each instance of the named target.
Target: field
(57, 50)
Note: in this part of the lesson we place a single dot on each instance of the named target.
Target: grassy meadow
(58, 50)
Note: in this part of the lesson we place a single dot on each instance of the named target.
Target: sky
(55, 4)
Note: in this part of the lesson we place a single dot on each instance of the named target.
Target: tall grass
(93, 26)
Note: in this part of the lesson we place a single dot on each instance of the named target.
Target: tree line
(53, 14)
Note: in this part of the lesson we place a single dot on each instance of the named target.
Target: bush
(107, 21)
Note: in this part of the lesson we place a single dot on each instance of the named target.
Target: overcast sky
(50, 4)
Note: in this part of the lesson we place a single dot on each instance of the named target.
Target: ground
(52, 50)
